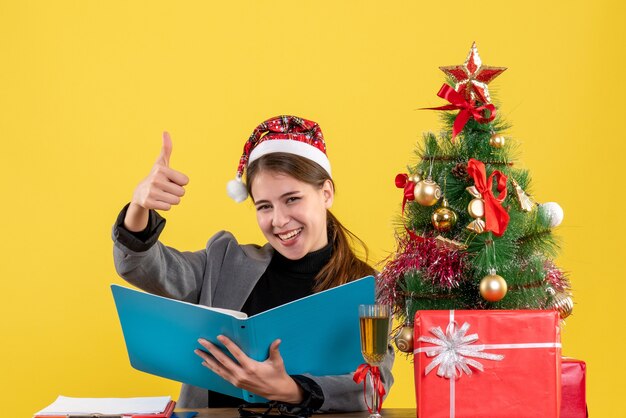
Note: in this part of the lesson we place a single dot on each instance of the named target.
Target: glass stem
(375, 398)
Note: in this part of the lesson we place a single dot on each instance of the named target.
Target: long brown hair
(343, 266)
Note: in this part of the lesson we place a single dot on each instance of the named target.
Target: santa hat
(285, 133)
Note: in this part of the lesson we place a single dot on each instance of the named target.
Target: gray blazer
(223, 275)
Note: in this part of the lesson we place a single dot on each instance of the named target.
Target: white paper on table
(146, 405)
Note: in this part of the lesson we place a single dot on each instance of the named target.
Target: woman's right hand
(161, 189)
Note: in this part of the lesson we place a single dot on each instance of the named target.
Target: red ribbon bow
(496, 216)
(361, 374)
(468, 109)
(402, 181)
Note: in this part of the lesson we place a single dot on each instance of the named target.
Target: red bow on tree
(468, 109)
(496, 216)
(361, 374)
(403, 182)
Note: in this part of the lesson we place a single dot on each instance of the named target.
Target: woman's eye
(262, 207)
(293, 199)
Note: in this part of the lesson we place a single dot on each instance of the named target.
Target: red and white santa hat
(285, 133)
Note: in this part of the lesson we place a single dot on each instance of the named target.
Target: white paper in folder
(145, 405)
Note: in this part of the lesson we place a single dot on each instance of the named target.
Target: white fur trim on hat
(291, 147)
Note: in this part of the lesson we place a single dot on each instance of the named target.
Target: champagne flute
(374, 323)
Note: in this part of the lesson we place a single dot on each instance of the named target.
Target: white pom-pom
(237, 190)
(554, 213)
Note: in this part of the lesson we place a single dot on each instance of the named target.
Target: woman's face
(291, 213)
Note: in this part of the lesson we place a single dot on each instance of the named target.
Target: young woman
(288, 177)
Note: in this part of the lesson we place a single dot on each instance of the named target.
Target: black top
(284, 281)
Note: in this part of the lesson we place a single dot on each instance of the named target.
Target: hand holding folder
(319, 334)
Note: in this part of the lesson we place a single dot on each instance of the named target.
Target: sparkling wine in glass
(374, 324)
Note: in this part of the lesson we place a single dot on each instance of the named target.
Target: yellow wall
(86, 87)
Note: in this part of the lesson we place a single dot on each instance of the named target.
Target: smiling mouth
(289, 235)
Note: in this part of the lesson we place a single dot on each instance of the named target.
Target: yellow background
(86, 87)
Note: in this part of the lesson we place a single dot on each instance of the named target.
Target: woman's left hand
(267, 378)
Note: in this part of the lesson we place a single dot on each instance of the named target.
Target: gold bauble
(493, 287)
(404, 339)
(427, 192)
(497, 141)
(562, 302)
(415, 178)
(443, 218)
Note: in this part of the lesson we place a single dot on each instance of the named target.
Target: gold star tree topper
(472, 77)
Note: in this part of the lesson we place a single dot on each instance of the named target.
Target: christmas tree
(471, 235)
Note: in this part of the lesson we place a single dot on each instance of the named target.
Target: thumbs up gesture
(161, 189)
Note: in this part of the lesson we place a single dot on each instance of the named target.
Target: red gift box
(573, 396)
(487, 364)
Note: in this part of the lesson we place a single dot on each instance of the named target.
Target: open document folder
(319, 333)
(151, 407)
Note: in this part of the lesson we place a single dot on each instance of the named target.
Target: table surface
(232, 413)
